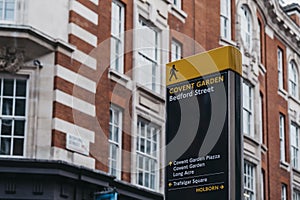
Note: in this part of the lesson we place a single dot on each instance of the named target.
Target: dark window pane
(21, 88)
(20, 107)
(8, 87)
(7, 107)
(18, 147)
(19, 127)
(140, 181)
(6, 127)
(5, 146)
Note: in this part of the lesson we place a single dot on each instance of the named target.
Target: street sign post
(203, 129)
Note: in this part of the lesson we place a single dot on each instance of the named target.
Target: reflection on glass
(5, 146)
(6, 127)
(7, 107)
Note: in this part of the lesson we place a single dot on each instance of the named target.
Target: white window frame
(280, 67)
(249, 181)
(283, 192)
(282, 137)
(117, 39)
(262, 188)
(144, 56)
(177, 4)
(3, 11)
(147, 154)
(294, 136)
(293, 79)
(246, 26)
(13, 116)
(248, 109)
(115, 122)
(260, 118)
(296, 194)
(259, 40)
(225, 19)
(176, 50)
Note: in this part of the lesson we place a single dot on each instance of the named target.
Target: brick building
(83, 98)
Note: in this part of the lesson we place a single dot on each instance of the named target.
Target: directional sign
(203, 130)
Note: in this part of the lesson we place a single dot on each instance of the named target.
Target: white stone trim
(75, 158)
(85, 59)
(75, 103)
(83, 34)
(96, 2)
(85, 12)
(76, 79)
(69, 128)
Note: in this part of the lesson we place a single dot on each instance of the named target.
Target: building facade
(83, 98)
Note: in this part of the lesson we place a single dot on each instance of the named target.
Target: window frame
(155, 61)
(177, 4)
(283, 192)
(294, 146)
(248, 110)
(153, 157)
(296, 194)
(117, 57)
(246, 26)
(116, 142)
(293, 79)
(177, 55)
(249, 180)
(3, 10)
(260, 118)
(280, 67)
(282, 137)
(225, 19)
(14, 117)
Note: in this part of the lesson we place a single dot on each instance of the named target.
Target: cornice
(282, 24)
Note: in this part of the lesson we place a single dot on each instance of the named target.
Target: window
(176, 51)
(7, 10)
(246, 26)
(296, 195)
(282, 137)
(283, 192)
(249, 181)
(262, 188)
(115, 141)
(225, 19)
(117, 37)
(280, 68)
(293, 79)
(294, 131)
(247, 109)
(148, 57)
(13, 116)
(147, 155)
(260, 118)
(177, 4)
(260, 37)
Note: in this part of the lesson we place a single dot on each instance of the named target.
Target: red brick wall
(276, 104)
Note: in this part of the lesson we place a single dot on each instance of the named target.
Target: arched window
(293, 79)
(246, 26)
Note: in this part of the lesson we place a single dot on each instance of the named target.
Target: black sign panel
(197, 139)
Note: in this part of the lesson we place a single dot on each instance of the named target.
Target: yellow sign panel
(224, 58)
